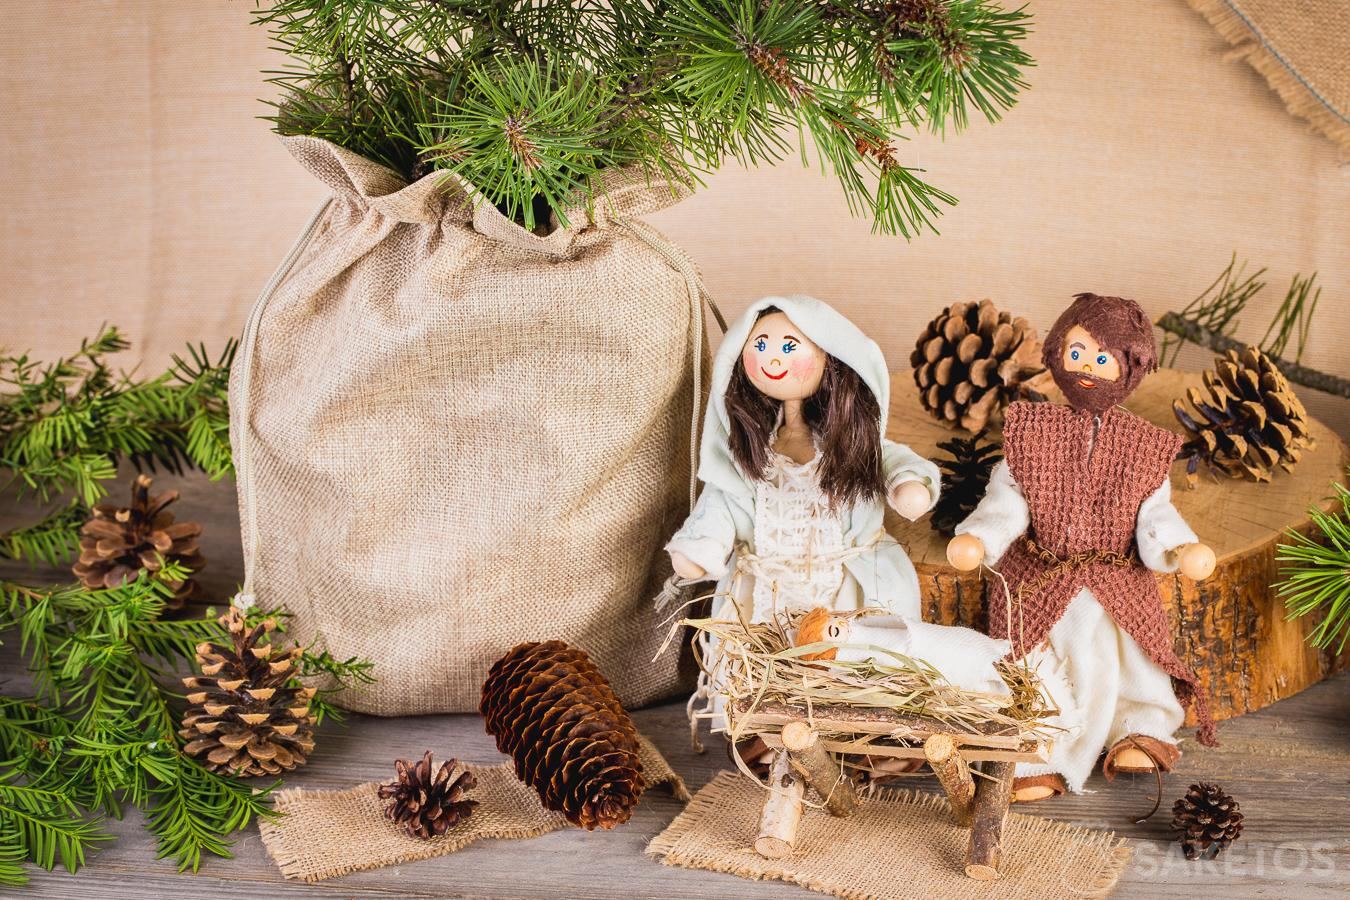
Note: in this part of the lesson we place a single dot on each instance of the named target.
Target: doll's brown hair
(1122, 327)
(843, 415)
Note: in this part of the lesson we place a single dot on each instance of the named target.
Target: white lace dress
(796, 562)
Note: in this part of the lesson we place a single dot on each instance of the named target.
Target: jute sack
(452, 435)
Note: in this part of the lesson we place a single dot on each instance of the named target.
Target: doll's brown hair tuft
(1122, 327)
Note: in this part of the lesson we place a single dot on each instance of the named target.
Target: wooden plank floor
(1289, 766)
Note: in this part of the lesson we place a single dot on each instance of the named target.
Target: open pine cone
(1206, 817)
(118, 542)
(972, 361)
(1246, 420)
(965, 474)
(425, 806)
(551, 709)
(246, 715)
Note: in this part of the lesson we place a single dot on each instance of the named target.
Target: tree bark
(811, 760)
(953, 774)
(992, 795)
(782, 812)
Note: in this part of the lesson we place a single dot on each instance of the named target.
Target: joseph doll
(1075, 522)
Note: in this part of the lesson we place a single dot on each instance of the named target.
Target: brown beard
(1097, 399)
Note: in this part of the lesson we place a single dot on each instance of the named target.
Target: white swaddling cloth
(963, 656)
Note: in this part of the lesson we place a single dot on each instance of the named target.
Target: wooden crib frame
(974, 768)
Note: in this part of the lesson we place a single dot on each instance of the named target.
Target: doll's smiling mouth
(1083, 382)
(780, 375)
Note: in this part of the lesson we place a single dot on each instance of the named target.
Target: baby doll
(1076, 519)
(796, 471)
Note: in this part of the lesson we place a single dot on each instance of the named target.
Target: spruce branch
(102, 732)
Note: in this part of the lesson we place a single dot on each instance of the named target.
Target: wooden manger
(823, 720)
(975, 770)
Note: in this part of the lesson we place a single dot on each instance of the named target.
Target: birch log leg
(782, 810)
(986, 830)
(953, 774)
(810, 758)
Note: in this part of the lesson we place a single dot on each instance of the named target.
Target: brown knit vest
(1084, 496)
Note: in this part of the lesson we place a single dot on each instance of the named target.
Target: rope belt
(1059, 566)
(1080, 559)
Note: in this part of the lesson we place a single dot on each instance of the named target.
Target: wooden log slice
(1230, 628)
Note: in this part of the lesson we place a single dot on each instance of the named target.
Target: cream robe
(1105, 686)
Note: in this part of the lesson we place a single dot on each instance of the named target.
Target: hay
(755, 668)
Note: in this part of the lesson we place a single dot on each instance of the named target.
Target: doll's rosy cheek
(750, 358)
(804, 366)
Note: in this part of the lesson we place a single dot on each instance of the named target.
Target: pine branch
(1220, 343)
(1318, 572)
(672, 88)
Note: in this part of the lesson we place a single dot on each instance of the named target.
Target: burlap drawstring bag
(452, 435)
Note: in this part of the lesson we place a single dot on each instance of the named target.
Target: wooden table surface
(1288, 765)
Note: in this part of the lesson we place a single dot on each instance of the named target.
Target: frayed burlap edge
(864, 856)
(325, 834)
(1299, 96)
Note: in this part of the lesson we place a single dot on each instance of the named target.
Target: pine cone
(1206, 817)
(972, 361)
(246, 713)
(1246, 420)
(424, 806)
(117, 543)
(965, 474)
(551, 709)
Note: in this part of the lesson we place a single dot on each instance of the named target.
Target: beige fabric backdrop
(139, 188)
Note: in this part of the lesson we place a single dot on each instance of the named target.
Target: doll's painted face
(781, 362)
(1087, 360)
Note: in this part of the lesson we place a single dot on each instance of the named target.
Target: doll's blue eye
(1073, 354)
(1101, 360)
(789, 346)
(760, 345)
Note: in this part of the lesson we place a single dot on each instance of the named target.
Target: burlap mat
(1300, 48)
(323, 834)
(900, 843)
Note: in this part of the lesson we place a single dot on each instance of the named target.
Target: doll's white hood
(829, 330)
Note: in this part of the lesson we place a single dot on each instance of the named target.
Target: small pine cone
(965, 474)
(1246, 420)
(1206, 817)
(118, 542)
(549, 707)
(425, 806)
(247, 714)
(972, 361)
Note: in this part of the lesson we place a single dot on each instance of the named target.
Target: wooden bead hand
(965, 552)
(1195, 561)
(686, 567)
(910, 499)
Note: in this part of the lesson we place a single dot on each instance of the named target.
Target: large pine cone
(425, 806)
(247, 715)
(118, 542)
(1246, 420)
(1206, 817)
(972, 361)
(965, 474)
(551, 709)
